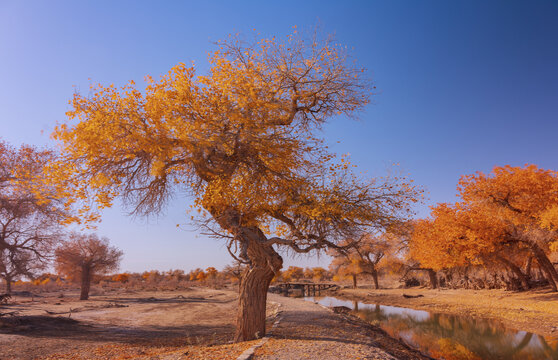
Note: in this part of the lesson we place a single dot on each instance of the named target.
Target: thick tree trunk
(431, 275)
(8, 285)
(433, 278)
(449, 279)
(547, 274)
(85, 282)
(252, 304)
(375, 278)
(466, 277)
(528, 267)
(265, 263)
(545, 264)
(517, 271)
(354, 281)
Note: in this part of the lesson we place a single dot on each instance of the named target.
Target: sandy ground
(195, 323)
(122, 324)
(198, 323)
(534, 311)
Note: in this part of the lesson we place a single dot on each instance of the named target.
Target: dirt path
(310, 331)
(534, 311)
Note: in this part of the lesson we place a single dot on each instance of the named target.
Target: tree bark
(354, 281)
(431, 275)
(517, 271)
(375, 277)
(547, 274)
(85, 282)
(433, 278)
(545, 264)
(265, 262)
(8, 285)
(528, 267)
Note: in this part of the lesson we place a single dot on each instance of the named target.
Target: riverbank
(309, 331)
(533, 311)
(198, 323)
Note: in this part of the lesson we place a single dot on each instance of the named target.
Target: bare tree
(84, 256)
(15, 263)
(234, 271)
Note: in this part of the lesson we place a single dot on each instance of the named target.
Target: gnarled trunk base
(252, 304)
(8, 286)
(375, 277)
(517, 271)
(85, 283)
(265, 263)
(433, 278)
(546, 266)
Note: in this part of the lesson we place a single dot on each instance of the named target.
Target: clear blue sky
(462, 86)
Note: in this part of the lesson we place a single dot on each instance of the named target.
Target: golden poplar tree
(244, 141)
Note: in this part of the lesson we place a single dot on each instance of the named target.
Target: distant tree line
(502, 233)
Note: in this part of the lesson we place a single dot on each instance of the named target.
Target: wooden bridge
(305, 288)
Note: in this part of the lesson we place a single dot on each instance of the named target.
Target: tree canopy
(83, 256)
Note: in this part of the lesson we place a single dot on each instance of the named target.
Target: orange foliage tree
(201, 276)
(293, 273)
(123, 278)
(83, 256)
(365, 255)
(318, 273)
(244, 141)
(30, 211)
(347, 265)
(372, 250)
(501, 217)
(211, 273)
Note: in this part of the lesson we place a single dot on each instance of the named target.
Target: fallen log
(412, 296)
(341, 309)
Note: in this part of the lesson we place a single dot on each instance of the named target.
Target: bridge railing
(305, 288)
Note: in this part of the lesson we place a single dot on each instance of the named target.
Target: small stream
(451, 337)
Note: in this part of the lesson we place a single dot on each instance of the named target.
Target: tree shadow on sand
(323, 329)
(57, 327)
(174, 300)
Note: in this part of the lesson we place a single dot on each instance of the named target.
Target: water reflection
(452, 337)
